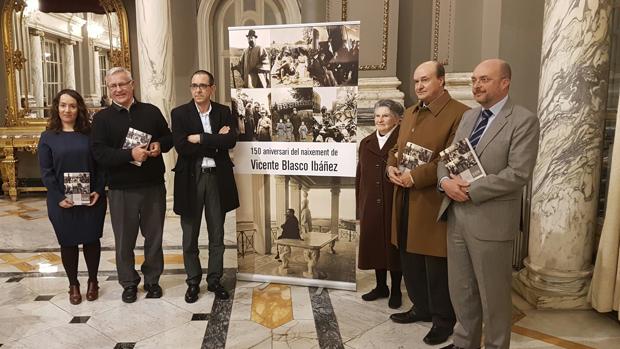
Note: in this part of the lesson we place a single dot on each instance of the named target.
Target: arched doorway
(214, 18)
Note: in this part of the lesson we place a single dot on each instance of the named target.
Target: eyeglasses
(200, 86)
(119, 85)
(484, 80)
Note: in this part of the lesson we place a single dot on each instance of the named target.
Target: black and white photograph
(252, 109)
(77, 187)
(334, 55)
(455, 150)
(307, 238)
(414, 155)
(291, 111)
(250, 61)
(289, 54)
(136, 138)
(461, 160)
(335, 114)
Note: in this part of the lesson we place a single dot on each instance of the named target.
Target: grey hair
(394, 107)
(116, 70)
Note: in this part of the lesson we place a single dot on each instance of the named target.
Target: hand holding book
(138, 142)
(77, 189)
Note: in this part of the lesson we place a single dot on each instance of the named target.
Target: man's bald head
(429, 79)
(491, 81)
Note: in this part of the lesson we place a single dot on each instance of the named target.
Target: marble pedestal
(553, 289)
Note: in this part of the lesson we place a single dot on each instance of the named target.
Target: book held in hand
(461, 160)
(136, 138)
(77, 187)
(413, 156)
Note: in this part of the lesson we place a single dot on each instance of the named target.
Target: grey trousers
(480, 277)
(207, 198)
(130, 210)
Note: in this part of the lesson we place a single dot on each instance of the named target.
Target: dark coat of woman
(373, 192)
(64, 152)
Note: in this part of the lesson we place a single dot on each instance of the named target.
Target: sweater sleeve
(222, 141)
(48, 174)
(103, 151)
(179, 137)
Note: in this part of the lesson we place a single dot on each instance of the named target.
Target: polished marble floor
(35, 311)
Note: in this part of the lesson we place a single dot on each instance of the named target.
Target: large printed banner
(294, 94)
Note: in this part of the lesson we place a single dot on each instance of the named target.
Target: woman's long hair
(82, 122)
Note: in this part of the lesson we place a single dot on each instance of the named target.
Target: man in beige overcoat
(421, 240)
(483, 217)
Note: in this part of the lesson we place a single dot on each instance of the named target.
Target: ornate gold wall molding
(384, 36)
(437, 36)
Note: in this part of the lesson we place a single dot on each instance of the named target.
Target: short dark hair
(202, 71)
(394, 107)
(82, 122)
(505, 70)
(440, 72)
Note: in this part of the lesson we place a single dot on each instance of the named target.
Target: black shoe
(130, 294)
(408, 317)
(396, 300)
(153, 291)
(438, 335)
(191, 295)
(375, 294)
(219, 291)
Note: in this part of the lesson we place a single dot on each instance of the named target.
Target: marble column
(295, 197)
(280, 200)
(287, 200)
(88, 69)
(335, 210)
(459, 86)
(571, 108)
(156, 66)
(261, 212)
(97, 75)
(69, 64)
(36, 67)
(267, 213)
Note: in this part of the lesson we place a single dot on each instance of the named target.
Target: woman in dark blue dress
(65, 148)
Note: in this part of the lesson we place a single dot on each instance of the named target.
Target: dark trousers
(130, 210)
(207, 197)
(426, 278)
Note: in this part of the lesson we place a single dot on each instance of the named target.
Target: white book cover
(77, 187)
(461, 160)
(413, 156)
(136, 138)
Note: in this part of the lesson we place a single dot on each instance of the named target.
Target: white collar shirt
(206, 126)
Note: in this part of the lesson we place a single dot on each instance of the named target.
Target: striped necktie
(479, 130)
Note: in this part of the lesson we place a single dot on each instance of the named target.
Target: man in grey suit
(483, 216)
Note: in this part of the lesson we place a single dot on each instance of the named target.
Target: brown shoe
(75, 297)
(93, 291)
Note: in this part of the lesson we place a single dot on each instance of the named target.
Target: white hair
(116, 70)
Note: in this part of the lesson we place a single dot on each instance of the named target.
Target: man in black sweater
(137, 194)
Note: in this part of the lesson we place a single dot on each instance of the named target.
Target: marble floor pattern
(35, 311)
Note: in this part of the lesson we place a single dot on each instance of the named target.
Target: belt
(207, 170)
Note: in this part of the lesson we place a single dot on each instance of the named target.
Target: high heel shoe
(92, 292)
(75, 297)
